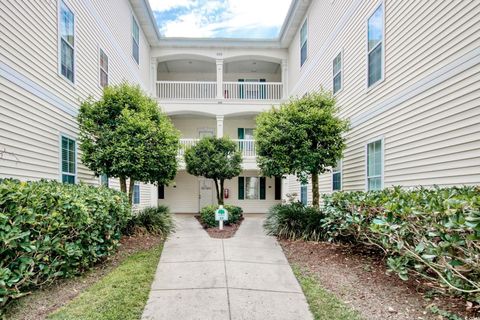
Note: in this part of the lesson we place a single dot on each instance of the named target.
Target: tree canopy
(214, 158)
(304, 137)
(125, 135)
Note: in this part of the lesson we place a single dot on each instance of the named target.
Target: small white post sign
(221, 215)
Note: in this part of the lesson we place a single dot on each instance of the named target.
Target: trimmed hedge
(207, 215)
(50, 230)
(434, 232)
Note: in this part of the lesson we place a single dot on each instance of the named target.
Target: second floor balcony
(246, 147)
(202, 79)
(207, 90)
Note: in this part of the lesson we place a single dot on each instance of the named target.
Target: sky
(220, 18)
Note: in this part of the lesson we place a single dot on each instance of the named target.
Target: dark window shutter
(278, 188)
(241, 188)
(241, 133)
(262, 188)
(161, 192)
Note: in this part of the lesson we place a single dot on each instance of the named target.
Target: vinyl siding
(37, 104)
(426, 109)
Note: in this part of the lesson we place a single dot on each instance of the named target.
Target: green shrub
(50, 230)
(155, 220)
(295, 221)
(207, 215)
(431, 232)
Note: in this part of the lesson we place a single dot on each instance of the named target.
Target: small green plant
(207, 215)
(295, 221)
(155, 220)
(444, 314)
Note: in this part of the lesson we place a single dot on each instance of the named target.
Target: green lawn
(121, 294)
(323, 304)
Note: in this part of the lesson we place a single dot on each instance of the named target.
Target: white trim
(60, 136)
(338, 72)
(137, 184)
(59, 42)
(372, 12)
(340, 170)
(28, 85)
(304, 23)
(435, 78)
(134, 19)
(100, 68)
(382, 176)
(205, 129)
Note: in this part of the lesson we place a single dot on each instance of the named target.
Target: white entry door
(206, 193)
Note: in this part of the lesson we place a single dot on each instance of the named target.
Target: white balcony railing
(185, 144)
(190, 90)
(247, 147)
(252, 90)
(207, 90)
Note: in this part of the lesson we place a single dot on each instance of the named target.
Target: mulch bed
(44, 301)
(357, 275)
(227, 232)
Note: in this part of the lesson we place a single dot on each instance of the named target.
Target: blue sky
(220, 18)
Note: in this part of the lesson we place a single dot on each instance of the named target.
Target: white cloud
(163, 5)
(221, 18)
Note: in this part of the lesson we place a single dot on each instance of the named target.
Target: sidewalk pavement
(244, 277)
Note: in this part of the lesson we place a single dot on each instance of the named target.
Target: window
(375, 46)
(303, 43)
(135, 40)
(374, 165)
(249, 145)
(104, 180)
(303, 194)
(251, 188)
(67, 42)
(136, 194)
(103, 69)
(337, 73)
(69, 160)
(337, 176)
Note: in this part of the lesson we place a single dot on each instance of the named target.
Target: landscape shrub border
(50, 230)
(430, 232)
(207, 215)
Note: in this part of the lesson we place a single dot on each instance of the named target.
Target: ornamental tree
(125, 135)
(303, 137)
(214, 158)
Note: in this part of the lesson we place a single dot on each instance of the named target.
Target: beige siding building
(405, 73)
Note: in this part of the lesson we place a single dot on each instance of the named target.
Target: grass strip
(121, 294)
(323, 304)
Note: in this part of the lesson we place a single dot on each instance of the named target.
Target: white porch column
(220, 126)
(285, 78)
(219, 78)
(153, 76)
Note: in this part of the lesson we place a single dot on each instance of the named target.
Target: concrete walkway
(244, 277)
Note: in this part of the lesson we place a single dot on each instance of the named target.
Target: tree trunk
(219, 201)
(221, 191)
(123, 184)
(315, 193)
(130, 191)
